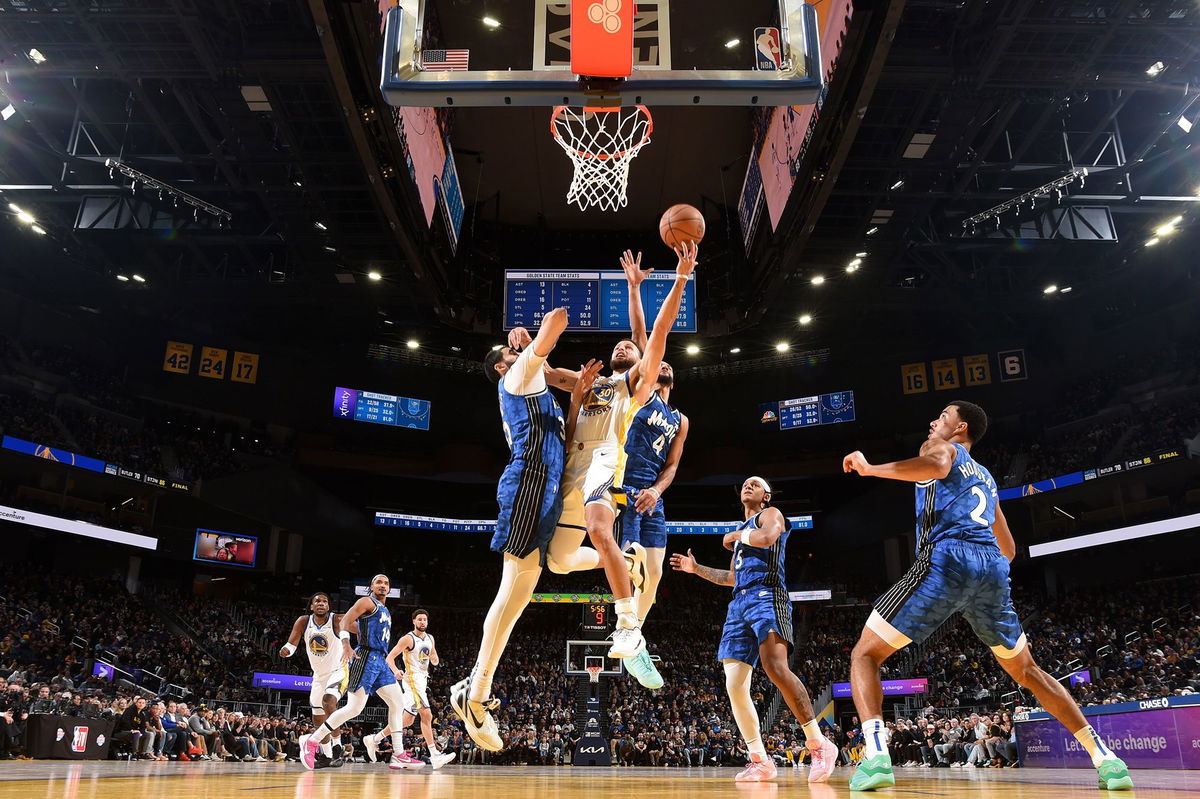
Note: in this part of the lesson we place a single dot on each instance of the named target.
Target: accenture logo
(606, 13)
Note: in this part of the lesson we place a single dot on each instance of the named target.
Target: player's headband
(766, 486)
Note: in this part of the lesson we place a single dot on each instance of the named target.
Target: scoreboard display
(369, 406)
(445, 525)
(597, 301)
(821, 409)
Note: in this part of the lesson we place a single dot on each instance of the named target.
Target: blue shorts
(648, 529)
(753, 614)
(370, 670)
(949, 577)
(530, 504)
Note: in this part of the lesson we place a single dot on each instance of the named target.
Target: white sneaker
(635, 561)
(440, 759)
(371, 745)
(627, 642)
(477, 717)
(956, 764)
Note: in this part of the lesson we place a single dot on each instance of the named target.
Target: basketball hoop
(600, 143)
(594, 673)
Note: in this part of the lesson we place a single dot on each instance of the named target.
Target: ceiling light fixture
(1065, 290)
(860, 255)
(320, 226)
(1155, 69)
(732, 43)
(1050, 289)
(26, 217)
(374, 276)
(1152, 242)
(1184, 124)
(817, 280)
(122, 278)
(782, 346)
(139, 179)
(491, 22)
(735, 350)
(412, 344)
(806, 319)
(851, 267)
(455, 348)
(330, 249)
(872, 231)
(38, 229)
(139, 278)
(35, 55)
(692, 349)
(7, 111)
(899, 184)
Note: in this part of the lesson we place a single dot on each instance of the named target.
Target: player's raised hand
(519, 338)
(587, 376)
(633, 268)
(687, 251)
(647, 498)
(856, 462)
(683, 563)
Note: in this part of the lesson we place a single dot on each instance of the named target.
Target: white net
(600, 143)
(594, 673)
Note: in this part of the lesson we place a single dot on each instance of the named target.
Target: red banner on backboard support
(602, 38)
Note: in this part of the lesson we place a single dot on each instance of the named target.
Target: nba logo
(766, 48)
(79, 740)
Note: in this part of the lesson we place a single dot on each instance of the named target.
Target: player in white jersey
(318, 629)
(419, 653)
(593, 478)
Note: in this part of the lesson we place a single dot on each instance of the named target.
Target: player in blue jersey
(369, 674)
(653, 447)
(963, 551)
(758, 626)
(530, 503)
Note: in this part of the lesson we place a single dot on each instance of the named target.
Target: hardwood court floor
(118, 780)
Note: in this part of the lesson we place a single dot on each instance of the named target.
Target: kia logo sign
(591, 750)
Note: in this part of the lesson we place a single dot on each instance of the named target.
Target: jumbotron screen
(226, 549)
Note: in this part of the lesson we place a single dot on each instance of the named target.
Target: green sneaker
(643, 670)
(874, 772)
(1114, 776)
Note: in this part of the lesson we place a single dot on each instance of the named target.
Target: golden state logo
(319, 645)
(599, 399)
(423, 655)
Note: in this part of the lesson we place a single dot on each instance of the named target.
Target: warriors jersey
(607, 412)
(375, 628)
(654, 428)
(319, 643)
(416, 659)
(757, 567)
(960, 506)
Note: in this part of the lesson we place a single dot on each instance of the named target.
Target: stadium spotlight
(899, 184)
(7, 111)
(123, 278)
(139, 278)
(817, 280)
(412, 344)
(735, 350)
(320, 226)
(692, 349)
(1155, 69)
(732, 43)
(806, 319)
(26, 217)
(35, 55)
(1184, 124)
(1065, 290)
(1168, 227)
(872, 231)
(1050, 289)
(782, 346)
(38, 229)
(1152, 242)
(491, 22)
(860, 255)
(374, 276)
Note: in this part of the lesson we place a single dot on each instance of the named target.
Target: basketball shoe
(873, 772)
(759, 769)
(641, 666)
(1114, 775)
(371, 745)
(627, 642)
(635, 561)
(440, 759)
(405, 761)
(308, 751)
(824, 758)
(476, 716)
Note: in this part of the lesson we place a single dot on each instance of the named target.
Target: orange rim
(558, 109)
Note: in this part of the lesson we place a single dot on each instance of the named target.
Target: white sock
(327, 749)
(875, 737)
(397, 743)
(1094, 744)
(627, 613)
(812, 732)
(756, 747)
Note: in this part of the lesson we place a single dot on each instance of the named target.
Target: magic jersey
(375, 628)
(961, 506)
(533, 423)
(654, 428)
(319, 639)
(759, 567)
(607, 411)
(416, 659)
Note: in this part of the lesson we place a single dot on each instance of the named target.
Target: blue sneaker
(641, 666)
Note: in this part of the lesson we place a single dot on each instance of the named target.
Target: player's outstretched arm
(1004, 539)
(293, 640)
(687, 563)
(402, 646)
(646, 500)
(644, 374)
(350, 624)
(933, 463)
(637, 314)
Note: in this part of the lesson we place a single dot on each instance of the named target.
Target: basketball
(681, 223)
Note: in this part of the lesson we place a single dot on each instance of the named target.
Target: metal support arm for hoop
(405, 83)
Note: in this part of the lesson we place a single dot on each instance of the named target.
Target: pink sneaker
(759, 769)
(308, 751)
(405, 760)
(824, 758)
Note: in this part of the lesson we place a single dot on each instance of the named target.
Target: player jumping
(963, 550)
(758, 626)
(369, 674)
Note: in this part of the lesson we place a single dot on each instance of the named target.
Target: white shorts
(592, 475)
(415, 690)
(333, 684)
